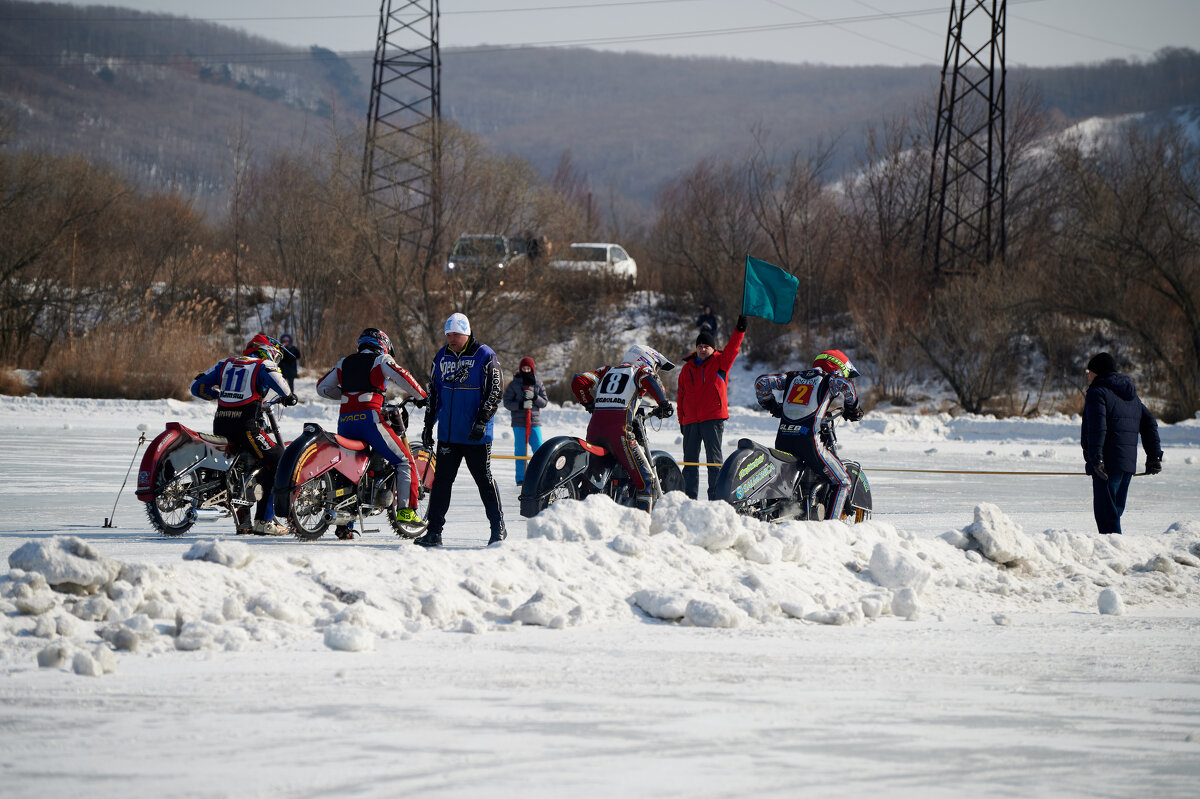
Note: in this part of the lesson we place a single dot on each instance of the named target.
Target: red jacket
(702, 386)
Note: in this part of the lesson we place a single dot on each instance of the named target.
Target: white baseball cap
(457, 323)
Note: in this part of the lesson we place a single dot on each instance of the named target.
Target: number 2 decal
(800, 393)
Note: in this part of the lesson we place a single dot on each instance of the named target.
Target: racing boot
(241, 519)
(270, 527)
(498, 534)
(408, 521)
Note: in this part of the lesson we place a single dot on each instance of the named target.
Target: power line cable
(149, 17)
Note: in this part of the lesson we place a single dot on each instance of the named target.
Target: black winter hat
(706, 338)
(1102, 364)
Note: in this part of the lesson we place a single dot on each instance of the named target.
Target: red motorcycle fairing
(169, 439)
(347, 456)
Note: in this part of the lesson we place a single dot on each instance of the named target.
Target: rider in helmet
(359, 381)
(613, 394)
(809, 397)
(239, 385)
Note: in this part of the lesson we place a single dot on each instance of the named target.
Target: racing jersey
(618, 389)
(360, 381)
(239, 382)
(807, 395)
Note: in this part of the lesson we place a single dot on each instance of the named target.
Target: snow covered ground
(977, 637)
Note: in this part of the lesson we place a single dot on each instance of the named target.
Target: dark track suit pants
(479, 462)
(709, 433)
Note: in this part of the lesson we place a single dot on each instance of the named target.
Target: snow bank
(691, 563)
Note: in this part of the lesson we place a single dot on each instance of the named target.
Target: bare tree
(1128, 251)
(792, 206)
(705, 230)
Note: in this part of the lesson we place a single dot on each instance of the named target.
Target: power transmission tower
(402, 158)
(968, 177)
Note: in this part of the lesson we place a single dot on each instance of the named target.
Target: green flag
(769, 292)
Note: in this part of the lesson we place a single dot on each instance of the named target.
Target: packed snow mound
(593, 562)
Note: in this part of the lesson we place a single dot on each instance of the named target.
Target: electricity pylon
(968, 177)
(402, 158)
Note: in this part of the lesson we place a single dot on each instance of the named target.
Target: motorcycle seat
(599, 452)
(777, 454)
(349, 443)
(780, 455)
(219, 441)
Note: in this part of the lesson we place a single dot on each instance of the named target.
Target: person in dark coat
(290, 364)
(707, 321)
(1113, 418)
(525, 395)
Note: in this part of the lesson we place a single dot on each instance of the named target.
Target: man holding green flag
(768, 292)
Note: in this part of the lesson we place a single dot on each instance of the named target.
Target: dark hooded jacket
(1113, 417)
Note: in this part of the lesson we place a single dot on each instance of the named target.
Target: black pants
(479, 462)
(709, 433)
(1108, 501)
(245, 435)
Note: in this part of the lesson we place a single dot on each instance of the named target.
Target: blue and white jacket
(463, 388)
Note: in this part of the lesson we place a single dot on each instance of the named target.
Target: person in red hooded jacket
(704, 404)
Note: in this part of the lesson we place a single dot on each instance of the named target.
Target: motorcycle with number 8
(568, 467)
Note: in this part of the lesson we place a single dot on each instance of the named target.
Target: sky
(836, 32)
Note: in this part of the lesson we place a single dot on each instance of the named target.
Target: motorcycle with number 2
(325, 479)
(187, 477)
(772, 485)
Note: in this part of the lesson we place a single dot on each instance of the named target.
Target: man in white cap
(465, 389)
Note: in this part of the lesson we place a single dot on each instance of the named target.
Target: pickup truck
(474, 250)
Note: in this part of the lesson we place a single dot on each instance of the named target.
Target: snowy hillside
(977, 637)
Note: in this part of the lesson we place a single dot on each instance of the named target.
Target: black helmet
(375, 340)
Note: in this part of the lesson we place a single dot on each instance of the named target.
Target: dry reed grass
(155, 357)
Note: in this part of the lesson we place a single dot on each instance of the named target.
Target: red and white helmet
(836, 363)
(641, 355)
(264, 347)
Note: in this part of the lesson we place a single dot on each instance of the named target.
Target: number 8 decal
(614, 384)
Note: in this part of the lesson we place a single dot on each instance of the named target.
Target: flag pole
(745, 266)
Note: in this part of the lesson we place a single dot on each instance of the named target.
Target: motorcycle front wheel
(307, 512)
(170, 510)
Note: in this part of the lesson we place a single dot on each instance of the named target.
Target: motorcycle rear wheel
(307, 512)
(169, 511)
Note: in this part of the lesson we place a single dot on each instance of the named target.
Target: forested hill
(164, 98)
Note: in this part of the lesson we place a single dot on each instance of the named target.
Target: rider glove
(663, 411)
(853, 413)
(290, 400)
(477, 430)
(775, 408)
(427, 438)
(420, 402)
(741, 324)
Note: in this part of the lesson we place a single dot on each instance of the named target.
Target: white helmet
(641, 355)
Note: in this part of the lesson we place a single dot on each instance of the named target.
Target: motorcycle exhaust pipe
(339, 518)
(207, 515)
